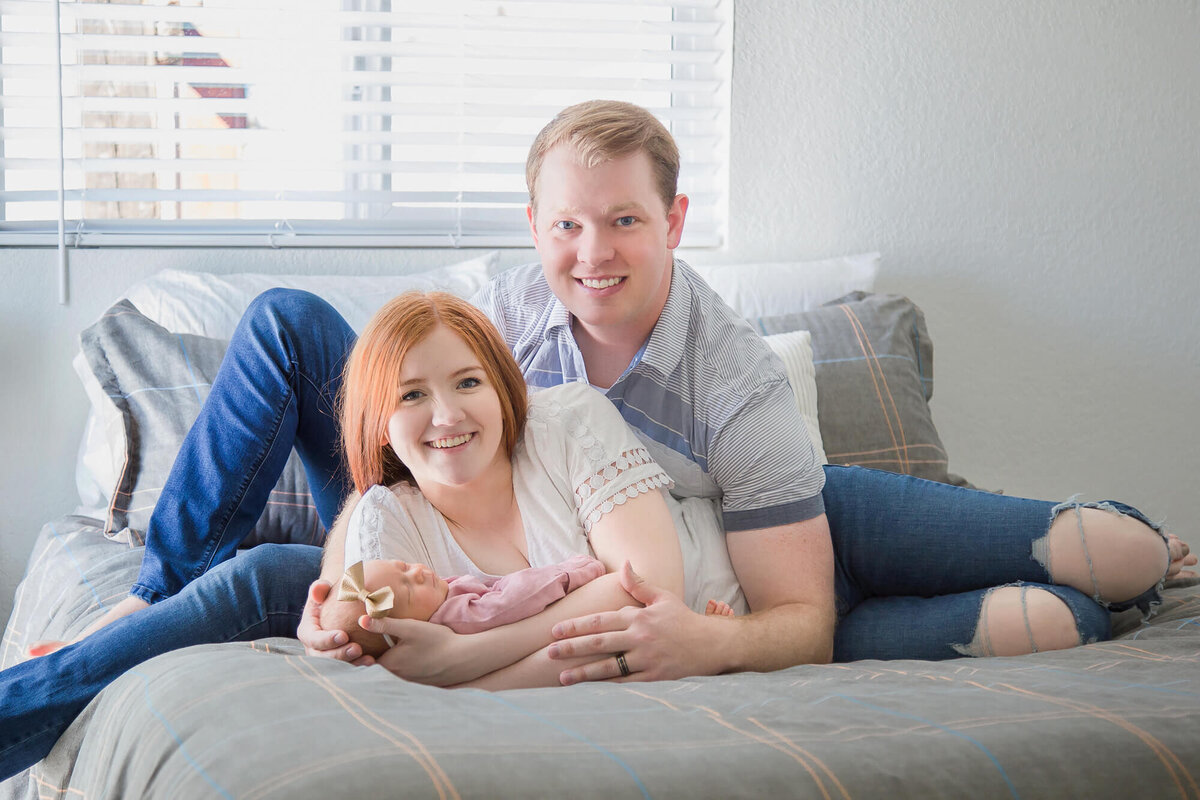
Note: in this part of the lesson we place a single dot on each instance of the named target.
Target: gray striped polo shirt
(705, 394)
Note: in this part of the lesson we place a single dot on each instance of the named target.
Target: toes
(1179, 551)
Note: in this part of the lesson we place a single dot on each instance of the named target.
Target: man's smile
(600, 283)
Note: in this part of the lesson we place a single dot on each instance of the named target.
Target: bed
(259, 719)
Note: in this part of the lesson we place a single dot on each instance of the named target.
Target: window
(332, 122)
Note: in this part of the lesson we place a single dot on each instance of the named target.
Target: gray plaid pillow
(158, 380)
(874, 365)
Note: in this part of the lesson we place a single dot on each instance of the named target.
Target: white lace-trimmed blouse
(576, 461)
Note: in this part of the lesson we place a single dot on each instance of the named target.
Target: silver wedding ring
(621, 663)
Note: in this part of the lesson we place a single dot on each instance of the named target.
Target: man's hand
(319, 642)
(662, 641)
(424, 652)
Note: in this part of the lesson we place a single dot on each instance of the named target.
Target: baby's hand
(716, 608)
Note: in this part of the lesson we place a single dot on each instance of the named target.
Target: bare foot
(1181, 556)
(716, 608)
(45, 647)
(122, 609)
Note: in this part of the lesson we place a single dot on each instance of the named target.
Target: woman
(453, 473)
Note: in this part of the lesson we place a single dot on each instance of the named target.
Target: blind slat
(234, 119)
(469, 16)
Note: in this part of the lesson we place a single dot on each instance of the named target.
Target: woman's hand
(319, 642)
(662, 641)
(425, 652)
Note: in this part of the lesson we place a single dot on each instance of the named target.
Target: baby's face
(418, 590)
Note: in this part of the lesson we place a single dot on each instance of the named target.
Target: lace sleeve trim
(369, 528)
(628, 460)
(636, 458)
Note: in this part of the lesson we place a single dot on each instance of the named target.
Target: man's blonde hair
(602, 130)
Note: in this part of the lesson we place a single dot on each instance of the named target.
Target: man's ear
(675, 216)
(529, 215)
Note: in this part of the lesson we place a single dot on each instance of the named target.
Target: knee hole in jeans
(1109, 556)
(1018, 620)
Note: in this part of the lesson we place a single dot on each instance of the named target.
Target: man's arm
(786, 573)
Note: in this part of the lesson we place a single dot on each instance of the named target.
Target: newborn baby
(466, 604)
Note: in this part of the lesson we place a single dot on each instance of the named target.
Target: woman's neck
(484, 518)
(471, 505)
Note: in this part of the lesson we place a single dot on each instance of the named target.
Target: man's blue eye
(626, 221)
(566, 225)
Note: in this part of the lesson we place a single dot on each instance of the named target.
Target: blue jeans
(258, 594)
(915, 559)
(276, 389)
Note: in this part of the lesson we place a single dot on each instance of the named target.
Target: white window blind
(332, 122)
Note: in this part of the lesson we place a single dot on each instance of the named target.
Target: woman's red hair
(370, 383)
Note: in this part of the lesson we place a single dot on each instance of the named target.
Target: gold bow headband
(378, 602)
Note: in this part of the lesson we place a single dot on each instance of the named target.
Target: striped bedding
(260, 720)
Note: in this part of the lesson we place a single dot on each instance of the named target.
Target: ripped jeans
(915, 561)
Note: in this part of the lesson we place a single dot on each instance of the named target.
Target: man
(609, 305)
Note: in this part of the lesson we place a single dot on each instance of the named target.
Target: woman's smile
(451, 442)
(447, 426)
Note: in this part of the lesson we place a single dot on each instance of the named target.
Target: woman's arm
(434, 654)
(639, 531)
(332, 559)
(316, 640)
(532, 672)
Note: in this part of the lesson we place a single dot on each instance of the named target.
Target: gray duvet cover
(1116, 719)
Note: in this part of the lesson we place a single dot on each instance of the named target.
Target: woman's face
(447, 428)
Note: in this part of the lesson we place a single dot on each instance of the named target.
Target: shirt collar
(559, 319)
(664, 349)
(668, 340)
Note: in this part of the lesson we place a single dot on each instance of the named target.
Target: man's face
(606, 241)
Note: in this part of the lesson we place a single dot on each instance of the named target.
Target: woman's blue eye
(469, 383)
(566, 225)
(413, 395)
(625, 222)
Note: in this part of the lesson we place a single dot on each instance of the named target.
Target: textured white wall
(1029, 170)
(1031, 173)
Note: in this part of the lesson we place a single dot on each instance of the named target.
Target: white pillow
(211, 305)
(102, 447)
(795, 349)
(771, 290)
